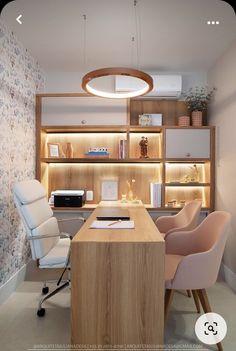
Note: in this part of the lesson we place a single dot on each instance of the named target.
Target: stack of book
(155, 190)
(122, 148)
(97, 154)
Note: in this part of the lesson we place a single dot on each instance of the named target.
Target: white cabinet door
(187, 143)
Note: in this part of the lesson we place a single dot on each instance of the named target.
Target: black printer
(68, 198)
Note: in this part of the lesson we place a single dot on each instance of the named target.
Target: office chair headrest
(28, 191)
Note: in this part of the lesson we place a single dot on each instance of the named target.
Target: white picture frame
(109, 190)
(53, 150)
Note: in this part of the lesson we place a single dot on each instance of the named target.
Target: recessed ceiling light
(212, 22)
(217, 22)
(208, 22)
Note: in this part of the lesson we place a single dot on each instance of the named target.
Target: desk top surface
(145, 229)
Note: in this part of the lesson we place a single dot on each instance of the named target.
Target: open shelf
(186, 184)
(100, 160)
(85, 129)
(82, 172)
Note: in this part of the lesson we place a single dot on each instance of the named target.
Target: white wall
(223, 116)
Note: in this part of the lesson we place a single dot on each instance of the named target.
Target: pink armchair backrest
(203, 249)
(186, 219)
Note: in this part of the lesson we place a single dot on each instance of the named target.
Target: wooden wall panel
(170, 109)
(89, 177)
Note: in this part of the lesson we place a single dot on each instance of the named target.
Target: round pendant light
(120, 71)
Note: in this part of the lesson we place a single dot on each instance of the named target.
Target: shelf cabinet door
(187, 143)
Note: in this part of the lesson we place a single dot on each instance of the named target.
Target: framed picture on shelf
(109, 190)
(53, 149)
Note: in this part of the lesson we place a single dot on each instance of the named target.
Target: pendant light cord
(137, 32)
(84, 42)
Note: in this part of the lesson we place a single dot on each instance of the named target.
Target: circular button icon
(211, 328)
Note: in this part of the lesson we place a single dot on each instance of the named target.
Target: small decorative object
(143, 147)
(145, 120)
(182, 203)
(193, 176)
(184, 121)
(97, 152)
(53, 149)
(123, 199)
(109, 190)
(197, 100)
(69, 150)
(171, 203)
(194, 173)
(131, 190)
(61, 152)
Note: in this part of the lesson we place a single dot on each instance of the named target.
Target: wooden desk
(117, 288)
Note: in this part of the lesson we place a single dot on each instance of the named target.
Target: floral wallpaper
(20, 79)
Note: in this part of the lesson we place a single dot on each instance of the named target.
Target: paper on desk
(110, 225)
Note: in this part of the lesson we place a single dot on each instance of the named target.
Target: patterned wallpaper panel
(20, 79)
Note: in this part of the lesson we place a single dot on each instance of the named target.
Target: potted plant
(197, 100)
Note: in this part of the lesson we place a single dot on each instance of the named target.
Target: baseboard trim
(10, 286)
(229, 276)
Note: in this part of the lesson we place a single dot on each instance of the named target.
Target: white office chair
(48, 245)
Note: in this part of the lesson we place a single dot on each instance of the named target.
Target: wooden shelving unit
(81, 172)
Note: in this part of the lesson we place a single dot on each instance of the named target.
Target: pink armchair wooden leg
(207, 308)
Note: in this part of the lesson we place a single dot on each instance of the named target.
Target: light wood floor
(21, 329)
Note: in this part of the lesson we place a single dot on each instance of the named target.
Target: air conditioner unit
(164, 86)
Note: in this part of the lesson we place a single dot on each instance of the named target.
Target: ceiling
(174, 34)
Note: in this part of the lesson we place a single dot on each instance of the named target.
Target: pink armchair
(193, 259)
(186, 219)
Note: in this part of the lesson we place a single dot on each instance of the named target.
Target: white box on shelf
(156, 119)
(155, 191)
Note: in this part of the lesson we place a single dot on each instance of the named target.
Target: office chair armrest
(72, 219)
(69, 219)
(45, 236)
(165, 223)
(65, 235)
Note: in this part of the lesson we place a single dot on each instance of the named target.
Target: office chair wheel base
(41, 312)
(45, 290)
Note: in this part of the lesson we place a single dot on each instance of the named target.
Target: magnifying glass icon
(210, 328)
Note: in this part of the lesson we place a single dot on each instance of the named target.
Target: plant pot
(184, 121)
(197, 118)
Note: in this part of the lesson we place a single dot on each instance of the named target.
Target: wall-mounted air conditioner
(164, 86)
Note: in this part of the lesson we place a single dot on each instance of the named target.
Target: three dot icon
(213, 22)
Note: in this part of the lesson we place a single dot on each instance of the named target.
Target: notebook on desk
(112, 224)
(113, 214)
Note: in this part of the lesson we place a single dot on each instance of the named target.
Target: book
(97, 153)
(155, 192)
(122, 149)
